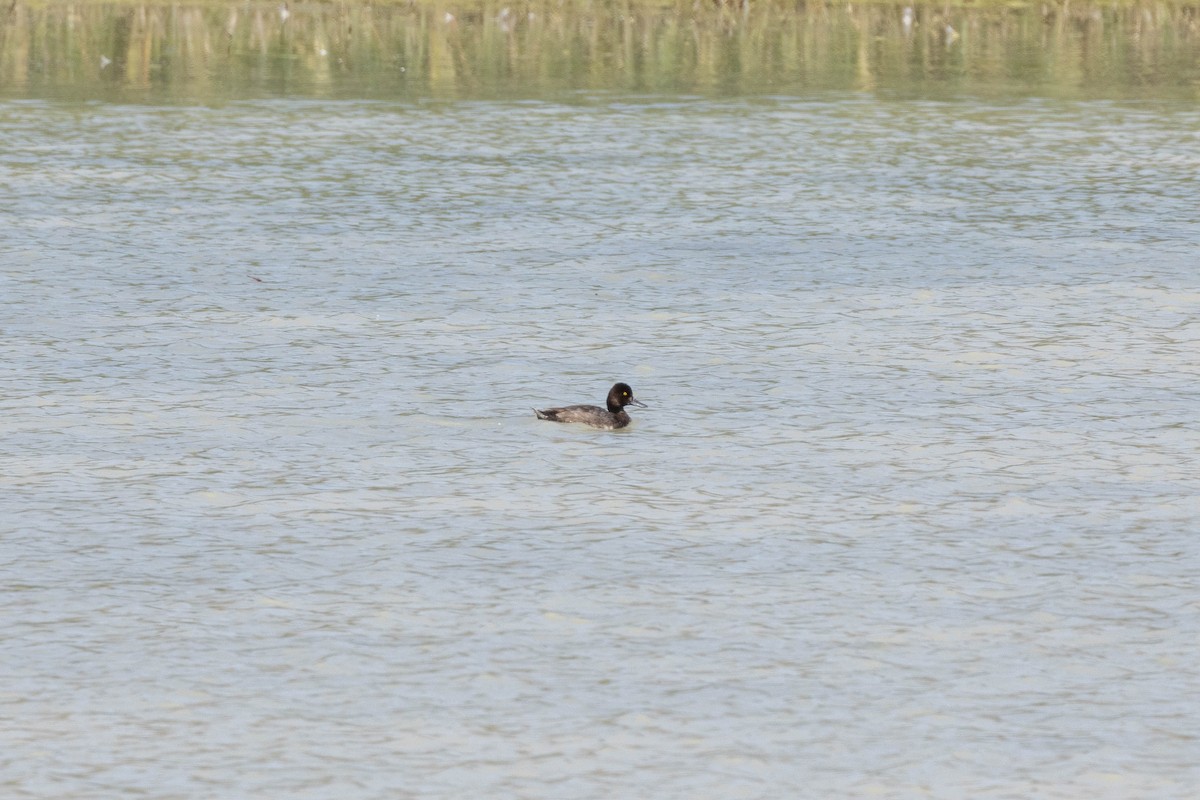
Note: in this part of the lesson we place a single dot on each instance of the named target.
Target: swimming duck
(619, 396)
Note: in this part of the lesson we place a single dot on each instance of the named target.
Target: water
(911, 513)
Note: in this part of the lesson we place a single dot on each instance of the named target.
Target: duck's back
(587, 415)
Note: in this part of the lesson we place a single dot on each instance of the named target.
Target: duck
(619, 396)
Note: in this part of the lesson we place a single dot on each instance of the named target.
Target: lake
(912, 511)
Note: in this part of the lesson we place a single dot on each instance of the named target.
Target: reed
(481, 48)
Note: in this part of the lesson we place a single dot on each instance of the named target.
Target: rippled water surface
(912, 511)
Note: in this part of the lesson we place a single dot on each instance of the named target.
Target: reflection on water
(216, 52)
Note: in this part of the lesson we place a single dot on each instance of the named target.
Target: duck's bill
(633, 401)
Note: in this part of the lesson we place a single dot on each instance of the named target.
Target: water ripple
(910, 511)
